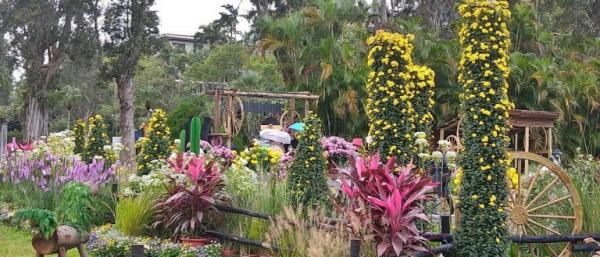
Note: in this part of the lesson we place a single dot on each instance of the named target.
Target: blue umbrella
(298, 126)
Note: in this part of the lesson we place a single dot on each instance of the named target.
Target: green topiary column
(422, 77)
(157, 142)
(389, 108)
(483, 73)
(79, 132)
(307, 181)
(97, 138)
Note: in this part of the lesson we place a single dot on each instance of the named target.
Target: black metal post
(137, 250)
(355, 248)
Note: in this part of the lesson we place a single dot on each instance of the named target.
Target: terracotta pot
(197, 242)
(227, 253)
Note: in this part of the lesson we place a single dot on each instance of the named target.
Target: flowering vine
(389, 108)
(483, 73)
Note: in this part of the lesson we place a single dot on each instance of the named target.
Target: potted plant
(183, 211)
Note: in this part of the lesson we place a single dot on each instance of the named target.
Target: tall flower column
(483, 73)
(389, 107)
(423, 79)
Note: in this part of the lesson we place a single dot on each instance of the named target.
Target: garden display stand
(543, 195)
(64, 238)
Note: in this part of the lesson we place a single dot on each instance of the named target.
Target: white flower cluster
(161, 175)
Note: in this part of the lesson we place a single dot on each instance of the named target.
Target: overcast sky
(185, 16)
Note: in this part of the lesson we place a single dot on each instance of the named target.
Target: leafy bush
(42, 220)
(156, 143)
(179, 118)
(307, 182)
(75, 206)
(483, 72)
(393, 203)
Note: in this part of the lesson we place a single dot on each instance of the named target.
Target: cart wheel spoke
(550, 203)
(550, 216)
(542, 226)
(537, 197)
(533, 180)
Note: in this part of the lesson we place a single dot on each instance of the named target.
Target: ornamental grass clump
(391, 114)
(156, 144)
(307, 182)
(483, 73)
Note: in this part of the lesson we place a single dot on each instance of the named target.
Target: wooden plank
(290, 95)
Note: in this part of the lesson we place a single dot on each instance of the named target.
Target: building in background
(181, 42)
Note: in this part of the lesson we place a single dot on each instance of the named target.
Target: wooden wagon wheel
(543, 202)
(288, 118)
(234, 117)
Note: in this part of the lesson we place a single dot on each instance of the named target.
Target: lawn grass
(14, 243)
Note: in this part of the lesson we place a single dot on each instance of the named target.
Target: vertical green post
(195, 127)
(182, 141)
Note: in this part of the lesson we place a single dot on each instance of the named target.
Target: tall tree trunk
(383, 11)
(126, 109)
(36, 117)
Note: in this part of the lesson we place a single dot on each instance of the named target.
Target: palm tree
(321, 49)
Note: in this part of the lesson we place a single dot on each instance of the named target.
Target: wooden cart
(544, 201)
(229, 109)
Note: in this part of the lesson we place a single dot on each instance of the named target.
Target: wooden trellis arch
(231, 117)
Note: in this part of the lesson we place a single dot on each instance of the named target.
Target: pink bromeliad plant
(386, 199)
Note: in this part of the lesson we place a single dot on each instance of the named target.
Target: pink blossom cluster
(337, 147)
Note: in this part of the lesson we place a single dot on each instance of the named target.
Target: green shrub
(179, 118)
(75, 206)
(307, 182)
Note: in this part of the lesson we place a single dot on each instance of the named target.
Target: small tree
(156, 143)
(307, 182)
